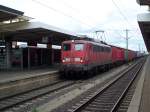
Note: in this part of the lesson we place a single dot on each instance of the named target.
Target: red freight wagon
(132, 55)
(117, 54)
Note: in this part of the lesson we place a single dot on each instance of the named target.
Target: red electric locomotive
(84, 56)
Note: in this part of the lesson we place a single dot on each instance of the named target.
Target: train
(87, 56)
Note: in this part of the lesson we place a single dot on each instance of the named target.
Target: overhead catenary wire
(60, 12)
(63, 13)
(74, 9)
(76, 19)
(122, 14)
(126, 20)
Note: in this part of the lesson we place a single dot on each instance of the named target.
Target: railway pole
(127, 39)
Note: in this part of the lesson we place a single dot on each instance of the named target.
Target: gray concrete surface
(12, 83)
(145, 99)
(7, 76)
(64, 98)
(135, 102)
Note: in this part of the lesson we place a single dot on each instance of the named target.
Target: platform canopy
(143, 2)
(144, 23)
(34, 31)
(14, 26)
(8, 13)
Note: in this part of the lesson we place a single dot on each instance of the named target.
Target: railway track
(23, 101)
(13, 103)
(19, 99)
(108, 98)
(125, 102)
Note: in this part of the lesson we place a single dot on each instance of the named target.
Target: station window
(79, 47)
(66, 47)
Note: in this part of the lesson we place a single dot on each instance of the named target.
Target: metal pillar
(41, 58)
(30, 43)
(21, 59)
(29, 59)
(52, 58)
(8, 54)
(52, 53)
(127, 43)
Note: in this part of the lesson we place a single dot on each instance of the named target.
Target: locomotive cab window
(66, 47)
(79, 47)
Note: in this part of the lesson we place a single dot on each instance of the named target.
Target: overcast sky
(88, 16)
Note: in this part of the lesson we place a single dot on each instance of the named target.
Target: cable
(60, 12)
(122, 14)
(74, 9)
(78, 11)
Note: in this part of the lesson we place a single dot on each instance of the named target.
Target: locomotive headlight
(81, 60)
(63, 60)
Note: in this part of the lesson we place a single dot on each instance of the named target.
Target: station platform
(145, 98)
(14, 75)
(15, 82)
(141, 99)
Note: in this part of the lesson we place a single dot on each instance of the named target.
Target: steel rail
(126, 89)
(92, 98)
(27, 96)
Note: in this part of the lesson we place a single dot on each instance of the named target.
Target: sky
(88, 16)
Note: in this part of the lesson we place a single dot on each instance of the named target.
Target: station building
(25, 44)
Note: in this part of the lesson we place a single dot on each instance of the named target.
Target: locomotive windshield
(79, 47)
(66, 47)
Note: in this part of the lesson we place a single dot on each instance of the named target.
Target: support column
(52, 53)
(21, 59)
(29, 65)
(41, 58)
(52, 58)
(30, 43)
(8, 54)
